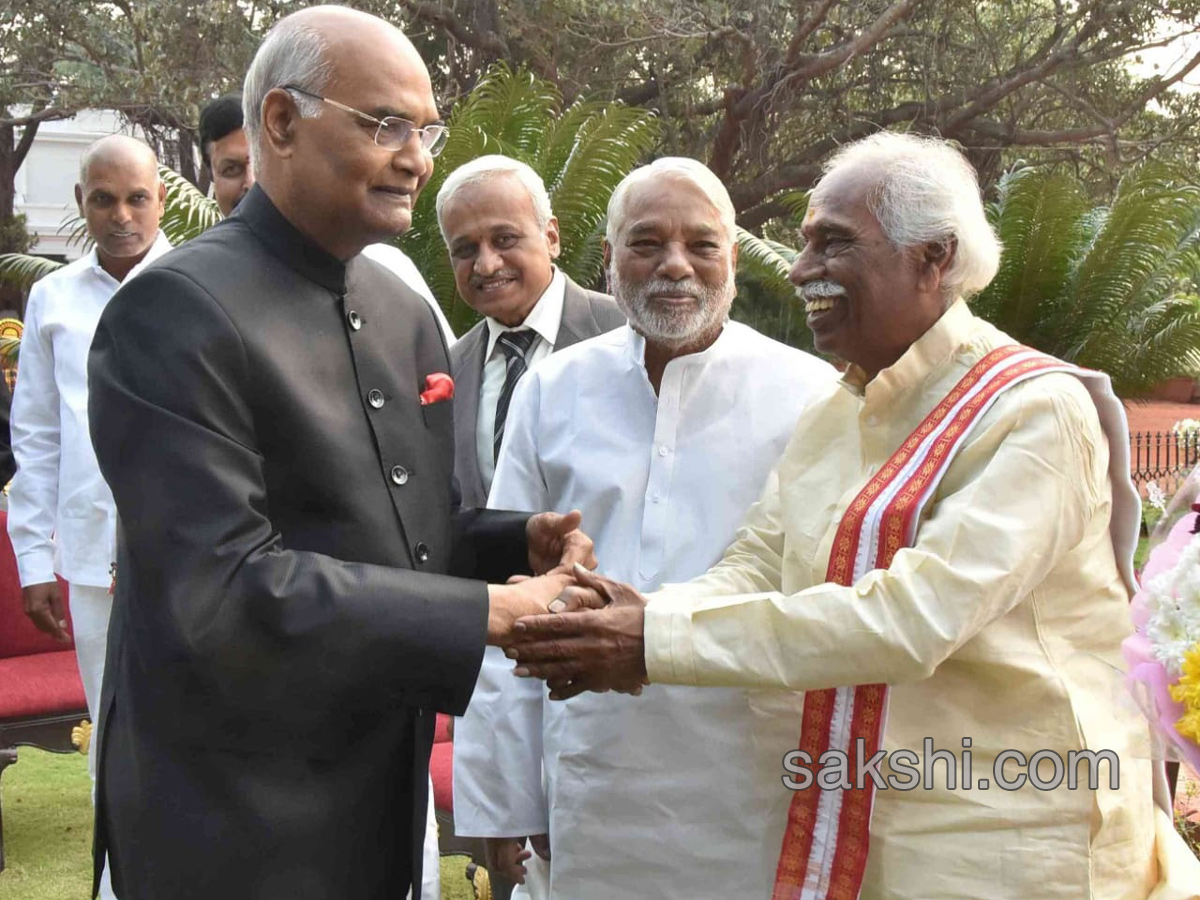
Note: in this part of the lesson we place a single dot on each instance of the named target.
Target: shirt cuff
(36, 566)
(667, 635)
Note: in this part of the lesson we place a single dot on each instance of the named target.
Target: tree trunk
(8, 173)
(12, 154)
(13, 236)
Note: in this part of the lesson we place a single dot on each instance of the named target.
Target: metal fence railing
(1164, 457)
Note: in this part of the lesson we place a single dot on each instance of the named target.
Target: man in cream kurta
(1000, 624)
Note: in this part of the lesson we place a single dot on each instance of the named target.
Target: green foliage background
(581, 151)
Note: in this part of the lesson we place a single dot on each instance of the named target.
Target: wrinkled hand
(531, 597)
(555, 541)
(505, 857)
(44, 606)
(590, 650)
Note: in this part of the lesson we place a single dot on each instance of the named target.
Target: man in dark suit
(503, 239)
(272, 414)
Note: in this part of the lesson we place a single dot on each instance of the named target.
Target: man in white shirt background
(61, 514)
(663, 433)
(502, 237)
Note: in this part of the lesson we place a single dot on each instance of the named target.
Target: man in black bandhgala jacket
(284, 626)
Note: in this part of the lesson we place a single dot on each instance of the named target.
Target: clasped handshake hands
(576, 630)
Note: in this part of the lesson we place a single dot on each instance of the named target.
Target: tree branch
(446, 19)
(814, 66)
(43, 115)
(1031, 137)
(805, 30)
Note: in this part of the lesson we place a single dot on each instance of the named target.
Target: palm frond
(1111, 287)
(1140, 256)
(796, 203)
(1038, 217)
(766, 298)
(581, 154)
(188, 212)
(606, 145)
(22, 270)
(75, 227)
(767, 261)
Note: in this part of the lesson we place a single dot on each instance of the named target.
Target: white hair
(672, 167)
(928, 193)
(485, 167)
(292, 53)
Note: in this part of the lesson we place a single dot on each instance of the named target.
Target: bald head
(118, 150)
(307, 50)
(319, 87)
(121, 198)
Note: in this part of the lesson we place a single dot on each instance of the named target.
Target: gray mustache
(654, 286)
(816, 290)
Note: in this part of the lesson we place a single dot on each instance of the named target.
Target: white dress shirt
(544, 318)
(61, 515)
(406, 270)
(676, 793)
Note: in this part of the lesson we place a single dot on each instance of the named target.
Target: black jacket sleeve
(224, 615)
(8, 463)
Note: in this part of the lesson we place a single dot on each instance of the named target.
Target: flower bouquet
(1164, 654)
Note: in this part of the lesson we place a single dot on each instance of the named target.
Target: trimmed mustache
(480, 280)
(824, 287)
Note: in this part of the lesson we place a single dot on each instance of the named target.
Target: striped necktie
(514, 345)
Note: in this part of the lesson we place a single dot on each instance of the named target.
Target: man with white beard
(662, 433)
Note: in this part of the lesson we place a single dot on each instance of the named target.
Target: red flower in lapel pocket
(438, 387)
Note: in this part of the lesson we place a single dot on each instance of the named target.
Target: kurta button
(354, 320)
(662, 451)
(399, 474)
(421, 551)
(375, 398)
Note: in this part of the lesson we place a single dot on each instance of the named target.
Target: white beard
(670, 326)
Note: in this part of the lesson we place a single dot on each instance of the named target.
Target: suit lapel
(577, 323)
(468, 353)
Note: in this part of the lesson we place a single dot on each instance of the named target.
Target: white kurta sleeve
(36, 445)
(1024, 490)
(498, 788)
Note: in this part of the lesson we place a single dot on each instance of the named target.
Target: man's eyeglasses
(393, 132)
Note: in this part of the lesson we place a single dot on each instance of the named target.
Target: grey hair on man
(292, 53)
(672, 167)
(927, 193)
(663, 325)
(484, 168)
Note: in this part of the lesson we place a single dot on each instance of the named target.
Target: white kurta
(61, 515)
(675, 794)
